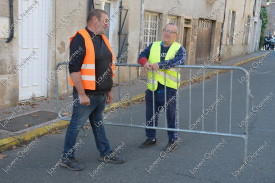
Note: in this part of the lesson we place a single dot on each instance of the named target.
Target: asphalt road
(199, 158)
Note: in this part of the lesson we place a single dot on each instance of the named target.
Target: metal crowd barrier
(203, 130)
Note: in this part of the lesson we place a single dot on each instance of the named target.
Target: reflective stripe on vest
(161, 72)
(151, 81)
(88, 78)
(88, 66)
(172, 75)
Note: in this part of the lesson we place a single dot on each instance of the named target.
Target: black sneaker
(111, 157)
(71, 164)
(148, 143)
(170, 147)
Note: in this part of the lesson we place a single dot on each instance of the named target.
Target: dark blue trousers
(160, 107)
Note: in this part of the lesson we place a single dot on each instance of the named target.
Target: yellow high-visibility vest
(171, 74)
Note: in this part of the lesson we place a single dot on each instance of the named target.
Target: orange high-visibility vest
(88, 66)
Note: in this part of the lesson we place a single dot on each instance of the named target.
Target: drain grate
(17, 123)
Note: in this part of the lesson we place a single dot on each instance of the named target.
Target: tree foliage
(264, 18)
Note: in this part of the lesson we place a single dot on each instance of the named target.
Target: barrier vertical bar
(56, 89)
(230, 101)
(130, 83)
(217, 91)
(190, 93)
(247, 112)
(67, 82)
(153, 81)
(165, 101)
(203, 82)
(109, 110)
(177, 100)
(118, 74)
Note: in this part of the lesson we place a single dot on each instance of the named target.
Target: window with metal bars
(151, 25)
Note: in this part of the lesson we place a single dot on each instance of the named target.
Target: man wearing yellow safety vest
(91, 70)
(161, 57)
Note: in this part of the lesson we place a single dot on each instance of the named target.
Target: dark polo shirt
(103, 61)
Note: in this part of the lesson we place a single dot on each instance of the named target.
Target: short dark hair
(96, 13)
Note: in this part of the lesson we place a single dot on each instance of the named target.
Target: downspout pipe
(11, 23)
(91, 6)
(140, 33)
(141, 25)
(222, 28)
(119, 31)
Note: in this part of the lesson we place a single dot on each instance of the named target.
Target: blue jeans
(80, 115)
(160, 107)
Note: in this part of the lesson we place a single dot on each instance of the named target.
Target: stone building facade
(38, 36)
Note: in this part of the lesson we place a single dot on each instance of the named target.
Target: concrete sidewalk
(10, 139)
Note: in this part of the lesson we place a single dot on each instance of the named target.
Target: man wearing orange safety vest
(91, 70)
